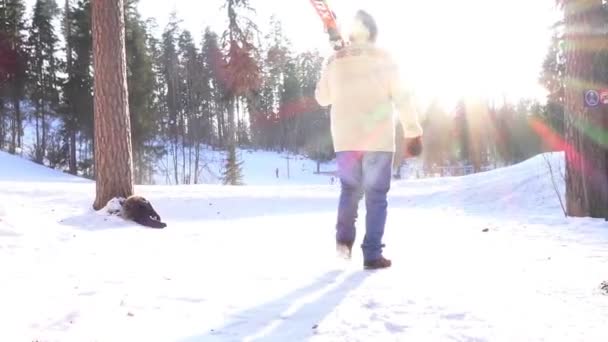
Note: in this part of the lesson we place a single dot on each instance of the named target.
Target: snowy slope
(522, 188)
(259, 168)
(256, 263)
(17, 169)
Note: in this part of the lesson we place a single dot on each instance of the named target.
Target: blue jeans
(364, 173)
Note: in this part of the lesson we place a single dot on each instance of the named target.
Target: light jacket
(361, 83)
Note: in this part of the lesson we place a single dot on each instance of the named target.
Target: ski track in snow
(257, 263)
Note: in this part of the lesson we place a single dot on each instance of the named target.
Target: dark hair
(369, 22)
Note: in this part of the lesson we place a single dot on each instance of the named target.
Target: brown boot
(380, 263)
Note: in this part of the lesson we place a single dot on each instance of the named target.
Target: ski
(329, 21)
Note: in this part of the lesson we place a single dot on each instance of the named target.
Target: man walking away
(361, 83)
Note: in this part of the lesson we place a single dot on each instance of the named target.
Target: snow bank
(522, 188)
(17, 169)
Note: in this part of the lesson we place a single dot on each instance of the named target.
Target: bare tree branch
(554, 183)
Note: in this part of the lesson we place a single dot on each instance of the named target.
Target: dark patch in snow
(485, 230)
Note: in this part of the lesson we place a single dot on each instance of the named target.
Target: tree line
(243, 88)
(185, 97)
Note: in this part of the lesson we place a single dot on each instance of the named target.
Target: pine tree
(275, 65)
(213, 87)
(233, 168)
(140, 78)
(77, 99)
(44, 65)
(314, 132)
(552, 78)
(113, 156)
(290, 109)
(170, 71)
(12, 71)
(191, 85)
(83, 80)
(242, 72)
(67, 110)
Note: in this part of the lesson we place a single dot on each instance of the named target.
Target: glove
(413, 147)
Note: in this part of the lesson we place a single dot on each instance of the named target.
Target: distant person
(361, 83)
(276, 171)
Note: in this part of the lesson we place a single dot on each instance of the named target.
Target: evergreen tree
(213, 88)
(290, 107)
(190, 90)
(242, 72)
(274, 73)
(314, 133)
(44, 66)
(170, 73)
(552, 78)
(77, 99)
(12, 72)
(233, 168)
(140, 78)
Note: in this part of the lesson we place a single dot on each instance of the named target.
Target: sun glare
(446, 49)
(468, 48)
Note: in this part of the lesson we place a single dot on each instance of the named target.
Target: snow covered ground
(257, 263)
(259, 168)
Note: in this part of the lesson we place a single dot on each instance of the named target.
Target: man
(361, 83)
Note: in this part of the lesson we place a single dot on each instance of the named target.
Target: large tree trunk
(586, 157)
(113, 155)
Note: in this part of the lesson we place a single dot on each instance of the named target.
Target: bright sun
(475, 48)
